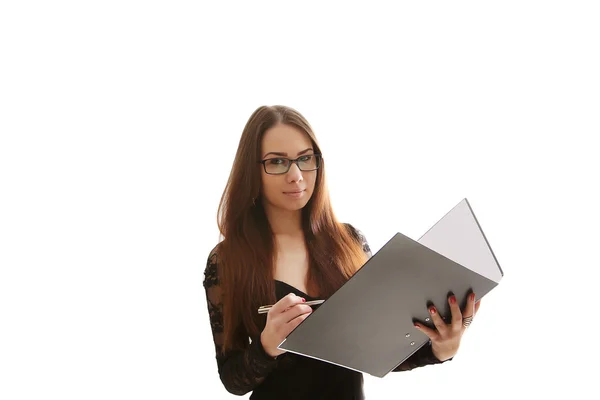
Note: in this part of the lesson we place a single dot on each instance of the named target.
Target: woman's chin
(292, 205)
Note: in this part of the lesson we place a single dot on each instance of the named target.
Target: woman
(283, 245)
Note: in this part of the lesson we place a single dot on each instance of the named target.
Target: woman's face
(291, 190)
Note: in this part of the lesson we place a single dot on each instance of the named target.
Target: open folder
(367, 324)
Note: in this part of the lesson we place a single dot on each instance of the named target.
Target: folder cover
(367, 324)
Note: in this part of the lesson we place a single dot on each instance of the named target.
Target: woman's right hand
(282, 318)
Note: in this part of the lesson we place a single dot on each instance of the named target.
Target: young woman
(283, 245)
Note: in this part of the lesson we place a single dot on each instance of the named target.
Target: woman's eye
(305, 158)
(276, 161)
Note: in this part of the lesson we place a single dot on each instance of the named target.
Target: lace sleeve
(240, 370)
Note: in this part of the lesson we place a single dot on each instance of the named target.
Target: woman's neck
(284, 222)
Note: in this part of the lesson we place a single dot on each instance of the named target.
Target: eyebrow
(285, 154)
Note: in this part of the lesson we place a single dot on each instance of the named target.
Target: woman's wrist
(264, 349)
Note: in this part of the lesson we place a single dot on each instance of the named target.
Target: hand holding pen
(282, 318)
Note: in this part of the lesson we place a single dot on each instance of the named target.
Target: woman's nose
(294, 174)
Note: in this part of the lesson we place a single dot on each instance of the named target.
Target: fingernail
(303, 300)
(472, 296)
(452, 299)
(432, 310)
(417, 326)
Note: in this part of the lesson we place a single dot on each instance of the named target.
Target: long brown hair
(246, 254)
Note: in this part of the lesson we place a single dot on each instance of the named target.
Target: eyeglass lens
(282, 165)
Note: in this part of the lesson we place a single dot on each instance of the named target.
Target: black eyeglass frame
(317, 155)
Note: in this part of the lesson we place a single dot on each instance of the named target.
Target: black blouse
(289, 376)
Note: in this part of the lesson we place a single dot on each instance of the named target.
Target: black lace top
(289, 376)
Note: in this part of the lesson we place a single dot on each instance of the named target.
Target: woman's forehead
(285, 139)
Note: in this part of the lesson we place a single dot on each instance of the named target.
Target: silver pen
(265, 309)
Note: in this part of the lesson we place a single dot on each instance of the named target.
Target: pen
(265, 309)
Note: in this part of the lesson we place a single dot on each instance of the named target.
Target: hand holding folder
(353, 328)
(447, 332)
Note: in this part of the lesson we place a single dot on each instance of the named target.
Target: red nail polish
(303, 300)
(472, 296)
(417, 326)
(432, 310)
(452, 299)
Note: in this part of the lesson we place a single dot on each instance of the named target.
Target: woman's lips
(296, 193)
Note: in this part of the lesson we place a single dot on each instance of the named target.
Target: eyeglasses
(281, 165)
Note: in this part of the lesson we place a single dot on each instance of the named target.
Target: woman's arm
(240, 370)
(422, 357)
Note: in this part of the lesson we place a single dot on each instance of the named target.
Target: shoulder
(358, 235)
(211, 276)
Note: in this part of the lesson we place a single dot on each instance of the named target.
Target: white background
(119, 121)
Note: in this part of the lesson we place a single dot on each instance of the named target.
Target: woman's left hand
(445, 339)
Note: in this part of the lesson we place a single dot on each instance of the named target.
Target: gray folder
(367, 324)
